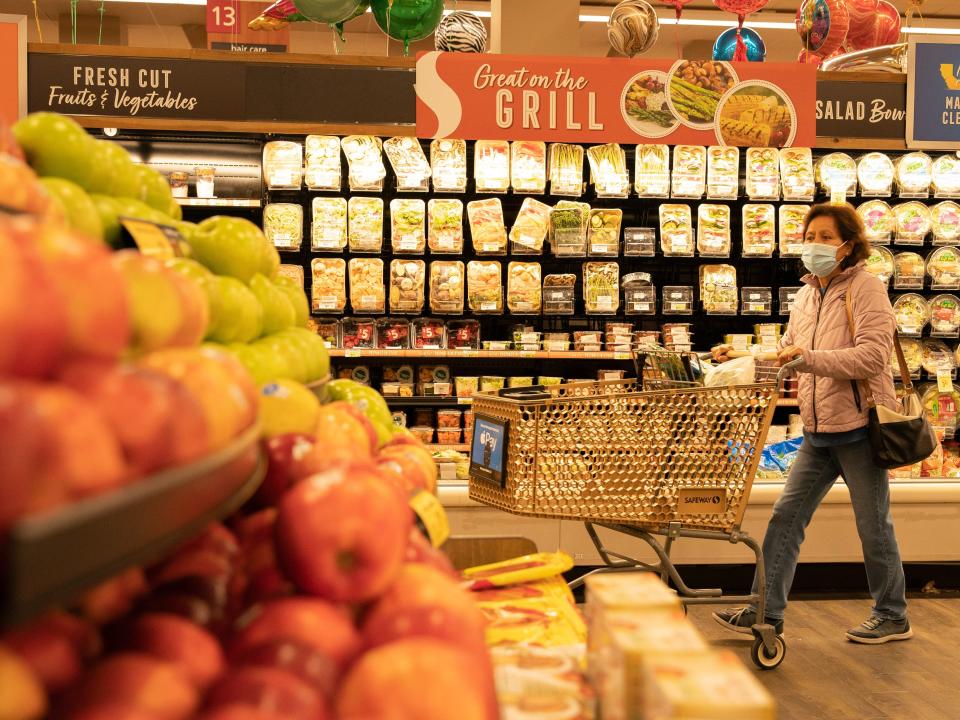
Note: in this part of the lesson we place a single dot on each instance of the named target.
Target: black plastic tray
(49, 559)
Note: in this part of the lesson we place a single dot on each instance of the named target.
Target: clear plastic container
(945, 175)
(723, 172)
(912, 353)
(909, 271)
(914, 174)
(689, 171)
(524, 294)
(484, 286)
(796, 173)
(329, 284)
(283, 225)
(763, 173)
(366, 224)
(639, 294)
(791, 219)
(329, 227)
(393, 334)
(358, 333)
(530, 229)
(608, 169)
(407, 221)
(652, 176)
(875, 173)
(448, 163)
(293, 272)
(428, 334)
(943, 267)
(487, 227)
(283, 164)
(837, 173)
(639, 242)
(945, 316)
(880, 263)
(445, 226)
(366, 285)
(566, 169)
(323, 168)
(759, 230)
(878, 221)
(559, 294)
(787, 296)
(528, 166)
(446, 287)
(718, 289)
(603, 235)
(568, 229)
(329, 330)
(912, 314)
(463, 335)
(677, 300)
(756, 301)
(913, 222)
(713, 230)
(676, 230)
(936, 357)
(406, 286)
(409, 163)
(601, 287)
(365, 162)
(945, 222)
(491, 165)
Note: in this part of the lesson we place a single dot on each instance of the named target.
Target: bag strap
(901, 360)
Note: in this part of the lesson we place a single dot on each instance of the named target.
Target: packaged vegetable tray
(323, 168)
(713, 230)
(329, 288)
(559, 294)
(530, 228)
(283, 225)
(608, 168)
(652, 174)
(689, 171)
(407, 222)
(723, 172)
(791, 219)
(601, 287)
(409, 163)
(329, 225)
(448, 163)
(484, 287)
(283, 164)
(445, 232)
(566, 169)
(365, 162)
(759, 230)
(676, 230)
(366, 224)
(487, 227)
(568, 228)
(407, 280)
(796, 173)
(446, 287)
(763, 173)
(603, 234)
(523, 287)
(718, 289)
(366, 285)
(528, 166)
(491, 165)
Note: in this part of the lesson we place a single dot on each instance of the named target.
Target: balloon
(361, 9)
(881, 27)
(461, 31)
(809, 58)
(823, 25)
(277, 16)
(407, 20)
(676, 4)
(726, 45)
(633, 27)
(740, 8)
(329, 11)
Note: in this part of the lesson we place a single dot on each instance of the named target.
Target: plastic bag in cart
(739, 371)
(779, 457)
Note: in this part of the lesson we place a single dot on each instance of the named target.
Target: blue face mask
(820, 259)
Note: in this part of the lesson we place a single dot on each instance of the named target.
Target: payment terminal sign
(488, 455)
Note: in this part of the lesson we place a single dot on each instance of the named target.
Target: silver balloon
(886, 58)
(633, 27)
(461, 32)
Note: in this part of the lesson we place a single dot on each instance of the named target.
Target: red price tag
(223, 16)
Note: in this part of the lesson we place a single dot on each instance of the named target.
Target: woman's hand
(720, 353)
(788, 354)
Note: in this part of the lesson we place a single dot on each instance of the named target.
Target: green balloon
(361, 9)
(330, 11)
(407, 20)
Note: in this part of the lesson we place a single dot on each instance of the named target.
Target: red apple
(339, 436)
(51, 655)
(388, 682)
(114, 598)
(109, 711)
(419, 468)
(287, 457)
(22, 440)
(357, 414)
(190, 607)
(195, 309)
(239, 712)
(419, 550)
(21, 692)
(341, 535)
(13, 285)
(192, 563)
(218, 539)
(169, 637)
(256, 528)
(264, 578)
(269, 690)
(82, 633)
(307, 663)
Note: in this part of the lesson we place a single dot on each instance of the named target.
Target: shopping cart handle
(530, 392)
(785, 369)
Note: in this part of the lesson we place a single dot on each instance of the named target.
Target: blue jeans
(811, 477)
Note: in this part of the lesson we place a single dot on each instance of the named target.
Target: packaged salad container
(484, 287)
(943, 267)
(913, 222)
(283, 164)
(329, 330)
(759, 230)
(689, 171)
(283, 225)
(796, 174)
(608, 168)
(524, 294)
(559, 294)
(652, 173)
(365, 162)
(486, 227)
(409, 163)
(491, 165)
(528, 166)
(878, 220)
(880, 263)
(756, 301)
(463, 335)
(837, 174)
(329, 226)
(763, 173)
(718, 289)
(945, 175)
(945, 222)
(639, 294)
(676, 230)
(292, 272)
(945, 315)
(445, 225)
(566, 169)
(393, 334)
(936, 357)
(942, 407)
(329, 288)
(713, 230)
(912, 314)
(429, 334)
(358, 333)
(875, 172)
(407, 221)
(639, 242)
(323, 167)
(914, 174)
(787, 296)
(601, 287)
(908, 271)
(912, 353)
(568, 228)
(407, 279)
(446, 287)
(677, 300)
(723, 172)
(448, 164)
(530, 228)
(603, 234)
(366, 285)
(791, 219)
(366, 224)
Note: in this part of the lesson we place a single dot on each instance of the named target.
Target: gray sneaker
(741, 620)
(878, 630)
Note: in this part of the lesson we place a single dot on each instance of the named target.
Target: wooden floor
(824, 677)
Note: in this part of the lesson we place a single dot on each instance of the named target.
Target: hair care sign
(599, 100)
(933, 93)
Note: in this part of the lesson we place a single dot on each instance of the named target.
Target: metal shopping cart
(657, 456)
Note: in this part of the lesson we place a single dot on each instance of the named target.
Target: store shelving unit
(219, 202)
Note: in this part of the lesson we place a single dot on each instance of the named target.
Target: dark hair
(850, 227)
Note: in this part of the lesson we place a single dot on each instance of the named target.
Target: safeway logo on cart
(701, 501)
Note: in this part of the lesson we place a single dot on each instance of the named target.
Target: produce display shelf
(219, 202)
(454, 448)
(481, 354)
(50, 559)
(427, 401)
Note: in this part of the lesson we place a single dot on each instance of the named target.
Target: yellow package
(518, 570)
(545, 621)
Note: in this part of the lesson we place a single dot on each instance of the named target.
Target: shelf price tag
(944, 380)
(431, 516)
(159, 241)
(464, 401)
(353, 353)
(622, 356)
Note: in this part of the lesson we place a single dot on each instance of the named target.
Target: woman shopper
(836, 366)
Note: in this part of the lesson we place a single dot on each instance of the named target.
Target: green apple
(129, 207)
(56, 146)
(287, 353)
(108, 211)
(112, 169)
(270, 262)
(312, 361)
(235, 313)
(262, 364)
(316, 350)
(278, 312)
(78, 209)
(175, 211)
(367, 399)
(190, 268)
(297, 297)
(229, 246)
(154, 188)
(156, 310)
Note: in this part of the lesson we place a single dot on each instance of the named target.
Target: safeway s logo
(951, 77)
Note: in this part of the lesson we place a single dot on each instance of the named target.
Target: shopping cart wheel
(768, 659)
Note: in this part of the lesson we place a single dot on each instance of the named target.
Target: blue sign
(488, 454)
(933, 93)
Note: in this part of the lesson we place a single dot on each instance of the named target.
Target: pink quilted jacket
(831, 358)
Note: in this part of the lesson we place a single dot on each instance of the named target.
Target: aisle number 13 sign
(223, 16)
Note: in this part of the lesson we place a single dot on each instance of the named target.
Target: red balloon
(807, 57)
(740, 7)
(676, 4)
(822, 25)
(873, 24)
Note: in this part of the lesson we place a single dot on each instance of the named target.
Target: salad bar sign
(607, 100)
